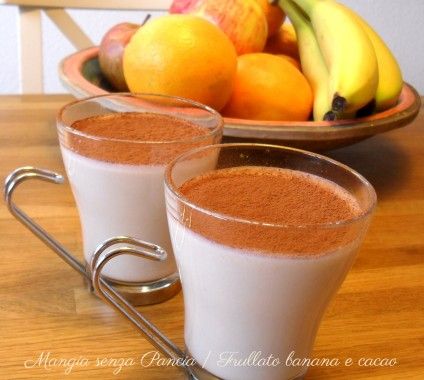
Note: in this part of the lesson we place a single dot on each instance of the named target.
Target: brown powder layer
(138, 138)
(275, 196)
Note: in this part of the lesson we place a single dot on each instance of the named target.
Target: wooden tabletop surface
(46, 310)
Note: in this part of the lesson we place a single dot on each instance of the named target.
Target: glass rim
(170, 185)
(212, 132)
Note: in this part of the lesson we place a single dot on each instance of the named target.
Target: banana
(390, 75)
(313, 65)
(348, 54)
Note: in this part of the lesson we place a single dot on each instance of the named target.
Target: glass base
(147, 293)
(196, 372)
(201, 374)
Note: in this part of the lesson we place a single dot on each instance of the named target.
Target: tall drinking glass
(263, 240)
(257, 289)
(115, 149)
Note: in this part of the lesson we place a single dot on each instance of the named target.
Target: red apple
(182, 6)
(243, 21)
(111, 52)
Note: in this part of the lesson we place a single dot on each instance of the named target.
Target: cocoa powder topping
(135, 138)
(275, 196)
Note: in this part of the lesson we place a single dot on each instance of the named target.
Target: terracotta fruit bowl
(80, 73)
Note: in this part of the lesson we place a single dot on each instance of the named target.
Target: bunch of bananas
(347, 63)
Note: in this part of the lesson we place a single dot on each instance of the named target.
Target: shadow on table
(379, 159)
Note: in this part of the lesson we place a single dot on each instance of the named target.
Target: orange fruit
(293, 61)
(274, 16)
(268, 87)
(284, 42)
(181, 55)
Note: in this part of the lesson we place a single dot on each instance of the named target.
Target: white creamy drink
(118, 187)
(117, 199)
(253, 294)
(286, 299)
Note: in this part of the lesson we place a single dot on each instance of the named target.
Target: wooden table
(45, 308)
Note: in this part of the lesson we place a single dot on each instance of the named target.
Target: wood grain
(378, 313)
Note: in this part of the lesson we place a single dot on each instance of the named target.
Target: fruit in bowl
(353, 77)
(274, 14)
(283, 42)
(181, 55)
(269, 87)
(347, 64)
(346, 61)
(243, 21)
(111, 52)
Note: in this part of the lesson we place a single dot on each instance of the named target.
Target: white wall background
(400, 22)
